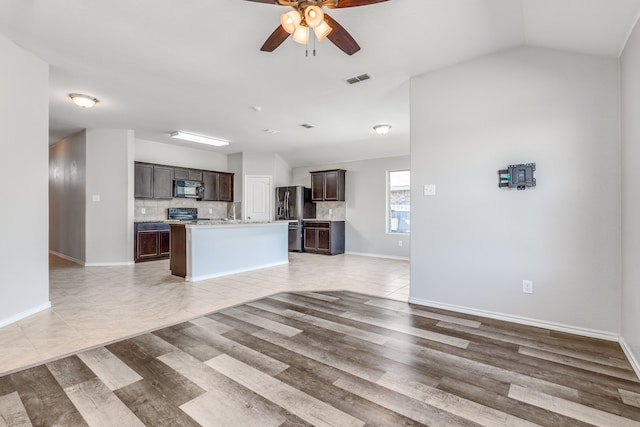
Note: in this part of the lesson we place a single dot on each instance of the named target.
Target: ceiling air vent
(358, 79)
(307, 126)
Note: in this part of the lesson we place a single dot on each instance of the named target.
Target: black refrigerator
(294, 204)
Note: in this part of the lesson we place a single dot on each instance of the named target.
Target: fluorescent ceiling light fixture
(84, 101)
(382, 129)
(199, 138)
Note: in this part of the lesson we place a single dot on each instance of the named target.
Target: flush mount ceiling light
(199, 138)
(308, 14)
(84, 101)
(382, 129)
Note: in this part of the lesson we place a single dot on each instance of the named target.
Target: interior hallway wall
(24, 114)
(109, 197)
(67, 193)
(472, 243)
(630, 90)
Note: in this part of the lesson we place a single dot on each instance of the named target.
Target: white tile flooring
(92, 306)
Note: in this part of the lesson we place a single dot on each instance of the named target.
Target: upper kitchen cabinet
(211, 182)
(225, 185)
(153, 181)
(218, 186)
(190, 174)
(328, 185)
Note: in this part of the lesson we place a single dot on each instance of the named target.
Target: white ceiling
(163, 65)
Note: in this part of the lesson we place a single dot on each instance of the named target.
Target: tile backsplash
(332, 211)
(158, 210)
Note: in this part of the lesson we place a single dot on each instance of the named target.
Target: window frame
(388, 203)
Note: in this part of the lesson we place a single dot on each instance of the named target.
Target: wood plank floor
(332, 359)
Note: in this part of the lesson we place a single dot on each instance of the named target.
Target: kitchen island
(206, 249)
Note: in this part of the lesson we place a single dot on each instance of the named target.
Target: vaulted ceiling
(163, 65)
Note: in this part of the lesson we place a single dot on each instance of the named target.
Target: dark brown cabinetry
(211, 181)
(324, 237)
(218, 186)
(156, 182)
(178, 263)
(151, 241)
(225, 185)
(328, 185)
(192, 174)
(153, 181)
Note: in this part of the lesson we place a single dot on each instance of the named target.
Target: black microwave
(188, 188)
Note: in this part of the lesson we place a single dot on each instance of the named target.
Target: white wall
(175, 155)
(365, 195)
(109, 220)
(473, 244)
(24, 114)
(282, 172)
(267, 164)
(67, 191)
(630, 89)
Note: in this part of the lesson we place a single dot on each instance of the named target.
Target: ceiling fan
(307, 15)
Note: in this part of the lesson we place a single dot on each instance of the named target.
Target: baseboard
(399, 258)
(632, 359)
(229, 272)
(17, 317)
(67, 257)
(603, 335)
(107, 264)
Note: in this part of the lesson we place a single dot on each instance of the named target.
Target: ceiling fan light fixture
(301, 35)
(322, 30)
(382, 129)
(290, 21)
(198, 138)
(84, 101)
(314, 16)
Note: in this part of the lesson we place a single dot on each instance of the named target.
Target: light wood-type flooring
(328, 358)
(95, 305)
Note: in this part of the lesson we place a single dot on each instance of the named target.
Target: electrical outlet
(143, 211)
(527, 286)
(330, 211)
(210, 210)
(399, 242)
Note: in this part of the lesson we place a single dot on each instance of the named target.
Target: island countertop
(206, 249)
(218, 223)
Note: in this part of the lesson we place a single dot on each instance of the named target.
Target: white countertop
(218, 222)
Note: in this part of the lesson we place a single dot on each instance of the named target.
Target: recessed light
(270, 131)
(307, 126)
(84, 101)
(256, 108)
(199, 138)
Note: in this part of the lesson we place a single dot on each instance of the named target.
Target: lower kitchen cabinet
(324, 237)
(152, 241)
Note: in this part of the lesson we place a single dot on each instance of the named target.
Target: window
(398, 201)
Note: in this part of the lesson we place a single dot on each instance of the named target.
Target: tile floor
(93, 306)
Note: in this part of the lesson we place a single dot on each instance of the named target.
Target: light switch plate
(96, 197)
(429, 189)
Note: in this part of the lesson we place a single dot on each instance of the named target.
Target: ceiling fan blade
(275, 39)
(340, 37)
(331, 4)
